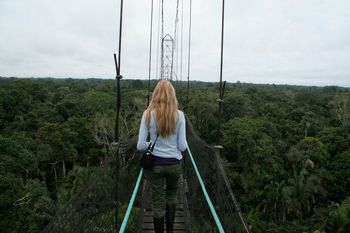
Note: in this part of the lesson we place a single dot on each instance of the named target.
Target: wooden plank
(179, 222)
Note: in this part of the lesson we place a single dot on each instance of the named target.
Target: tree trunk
(64, 167)
(55, 171)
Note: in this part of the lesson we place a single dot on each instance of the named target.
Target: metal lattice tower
(167, 59)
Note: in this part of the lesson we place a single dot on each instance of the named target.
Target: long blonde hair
(165, 105)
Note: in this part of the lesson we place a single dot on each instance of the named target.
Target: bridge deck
(179, 223)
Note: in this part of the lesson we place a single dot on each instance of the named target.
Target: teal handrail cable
(216, 218)
(131, 202)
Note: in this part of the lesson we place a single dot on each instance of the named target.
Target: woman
(162, 118)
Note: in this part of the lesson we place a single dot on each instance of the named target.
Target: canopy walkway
(117, 196)
(101, 205)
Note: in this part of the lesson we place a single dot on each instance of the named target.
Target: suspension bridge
(116, 198)
(102, 204)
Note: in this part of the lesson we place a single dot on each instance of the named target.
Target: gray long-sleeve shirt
(168, 147)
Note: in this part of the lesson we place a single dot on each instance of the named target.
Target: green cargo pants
(164, 183)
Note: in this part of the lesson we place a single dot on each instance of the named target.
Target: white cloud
(266, 41)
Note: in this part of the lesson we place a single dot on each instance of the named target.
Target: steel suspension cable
(118, 76)
(116, 127)
(176, 40)
(150, 55)
(158, 45)
(221, 90)
(189, 57)
(162, 49)
(182, 27)
(222, 42)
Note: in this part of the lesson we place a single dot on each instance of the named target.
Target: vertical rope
(176, 69)
(120, 36)
(172, 61)
(158, 36)
(150, 55)
(189, 57)
(118, 76)
(162, 49)
(222, 44)
(221, 91)
(182, 27)
(116, 129)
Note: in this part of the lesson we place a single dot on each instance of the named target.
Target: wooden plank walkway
(179, 223)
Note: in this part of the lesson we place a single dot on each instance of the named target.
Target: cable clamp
(219, 100)
(119, 76)
(218, 147)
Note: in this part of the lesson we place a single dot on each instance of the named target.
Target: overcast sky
(305, 42)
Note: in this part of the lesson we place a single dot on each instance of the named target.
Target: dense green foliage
(287, 148)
